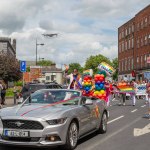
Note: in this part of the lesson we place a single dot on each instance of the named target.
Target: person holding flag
(75, 79)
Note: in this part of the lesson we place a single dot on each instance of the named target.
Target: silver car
(51, 118)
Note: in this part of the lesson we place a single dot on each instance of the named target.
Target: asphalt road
(127, 130)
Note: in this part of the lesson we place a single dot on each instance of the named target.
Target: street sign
(23, 66)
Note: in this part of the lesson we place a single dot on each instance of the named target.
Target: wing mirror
(88, 102)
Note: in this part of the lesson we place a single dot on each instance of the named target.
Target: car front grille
(22, 124)
(19, 139)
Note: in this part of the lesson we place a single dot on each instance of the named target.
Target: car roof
(59, 90)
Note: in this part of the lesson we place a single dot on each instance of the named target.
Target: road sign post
(23, 68)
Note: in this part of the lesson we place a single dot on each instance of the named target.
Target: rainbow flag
(126, 89)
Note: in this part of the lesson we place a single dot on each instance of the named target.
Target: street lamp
(37, 44)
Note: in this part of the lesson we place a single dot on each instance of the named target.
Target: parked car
(52, 117)
(32, 87)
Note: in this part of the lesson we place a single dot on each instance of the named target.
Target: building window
(141, 41)
(122, 65)
(146, 22)
(122, 34)
(132, 43)
(141, 61)
(132, 63)
(126, 32)
(129, 29)
(122, 46)
(47, 78)
(53, 77)
(142, 24)
(126, 44)
(145, 40)
(129, 64)
(129, 44)
(138, 26)
(138, 43)
(119, 35)
(132, 27)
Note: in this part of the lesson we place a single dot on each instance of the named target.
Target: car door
(85, 114)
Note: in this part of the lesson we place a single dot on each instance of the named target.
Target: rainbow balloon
(107, 68)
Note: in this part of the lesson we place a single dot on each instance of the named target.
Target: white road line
(115, 119)
(143, 106)
(133, 110)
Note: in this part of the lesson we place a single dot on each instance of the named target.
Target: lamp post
(37, 44)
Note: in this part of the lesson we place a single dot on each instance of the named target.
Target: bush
(19, 83)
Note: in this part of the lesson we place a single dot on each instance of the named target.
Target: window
(129, 44)
(126, 32)
(146, 22)
(53, 77)
(122, 66)
(138, 26)
(141, 61)
(122, 34)
(141, 41)
(145, 40)
(137, 60)
(132, 43)
(129, 29)
(138, 43)
(47, 78)
(142, 24)
(132, 62)
(122, 46)
(132, 27)
(128, 63)
(126, 44)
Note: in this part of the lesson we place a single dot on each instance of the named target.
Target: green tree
(73, 66)
(115, 65)
(28, 69)
(9, 68)
(93, 61)
(44, 62)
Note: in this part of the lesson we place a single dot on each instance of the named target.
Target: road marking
(134, 110)
(139, 132)
(143, 106)
(105, 139)
(114, 119)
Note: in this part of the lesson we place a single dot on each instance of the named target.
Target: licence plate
(11, 133)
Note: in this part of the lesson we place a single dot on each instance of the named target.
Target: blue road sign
(23, 66)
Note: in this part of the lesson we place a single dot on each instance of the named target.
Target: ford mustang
(52, 117)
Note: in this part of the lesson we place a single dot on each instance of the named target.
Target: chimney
(14, 44)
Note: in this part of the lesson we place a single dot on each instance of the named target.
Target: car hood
(34, 110)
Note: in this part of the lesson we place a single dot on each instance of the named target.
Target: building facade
(8, 46)
(134, 46)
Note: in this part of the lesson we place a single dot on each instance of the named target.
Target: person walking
(134, 85)
(75, 79)
(3, 94)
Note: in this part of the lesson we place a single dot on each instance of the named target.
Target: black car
(32, 87)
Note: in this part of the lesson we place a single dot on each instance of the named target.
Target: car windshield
(52, 96)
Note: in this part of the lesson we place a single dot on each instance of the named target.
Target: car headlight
(56, 121)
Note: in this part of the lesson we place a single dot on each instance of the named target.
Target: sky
(84, 27)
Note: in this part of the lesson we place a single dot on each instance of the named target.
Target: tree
(9, 68)
(93, 61)
(44, 62)
(73, 66)
(115, 65)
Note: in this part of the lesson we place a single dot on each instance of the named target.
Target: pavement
(127, 130)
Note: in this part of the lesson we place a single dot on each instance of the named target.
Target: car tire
(72, 136)
(103, 124)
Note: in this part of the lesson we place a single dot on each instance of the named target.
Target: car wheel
(103, 125)
(72, 136)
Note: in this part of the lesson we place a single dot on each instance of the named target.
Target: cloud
(84, 27)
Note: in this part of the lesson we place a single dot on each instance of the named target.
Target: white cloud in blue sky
(84, 27)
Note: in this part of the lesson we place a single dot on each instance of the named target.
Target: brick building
(134, 46)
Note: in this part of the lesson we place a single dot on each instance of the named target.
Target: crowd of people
(111, 90)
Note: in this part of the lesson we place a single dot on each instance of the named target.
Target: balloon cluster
(99, 85)
(87, 85)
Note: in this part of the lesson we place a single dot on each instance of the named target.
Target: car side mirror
(88, 102)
